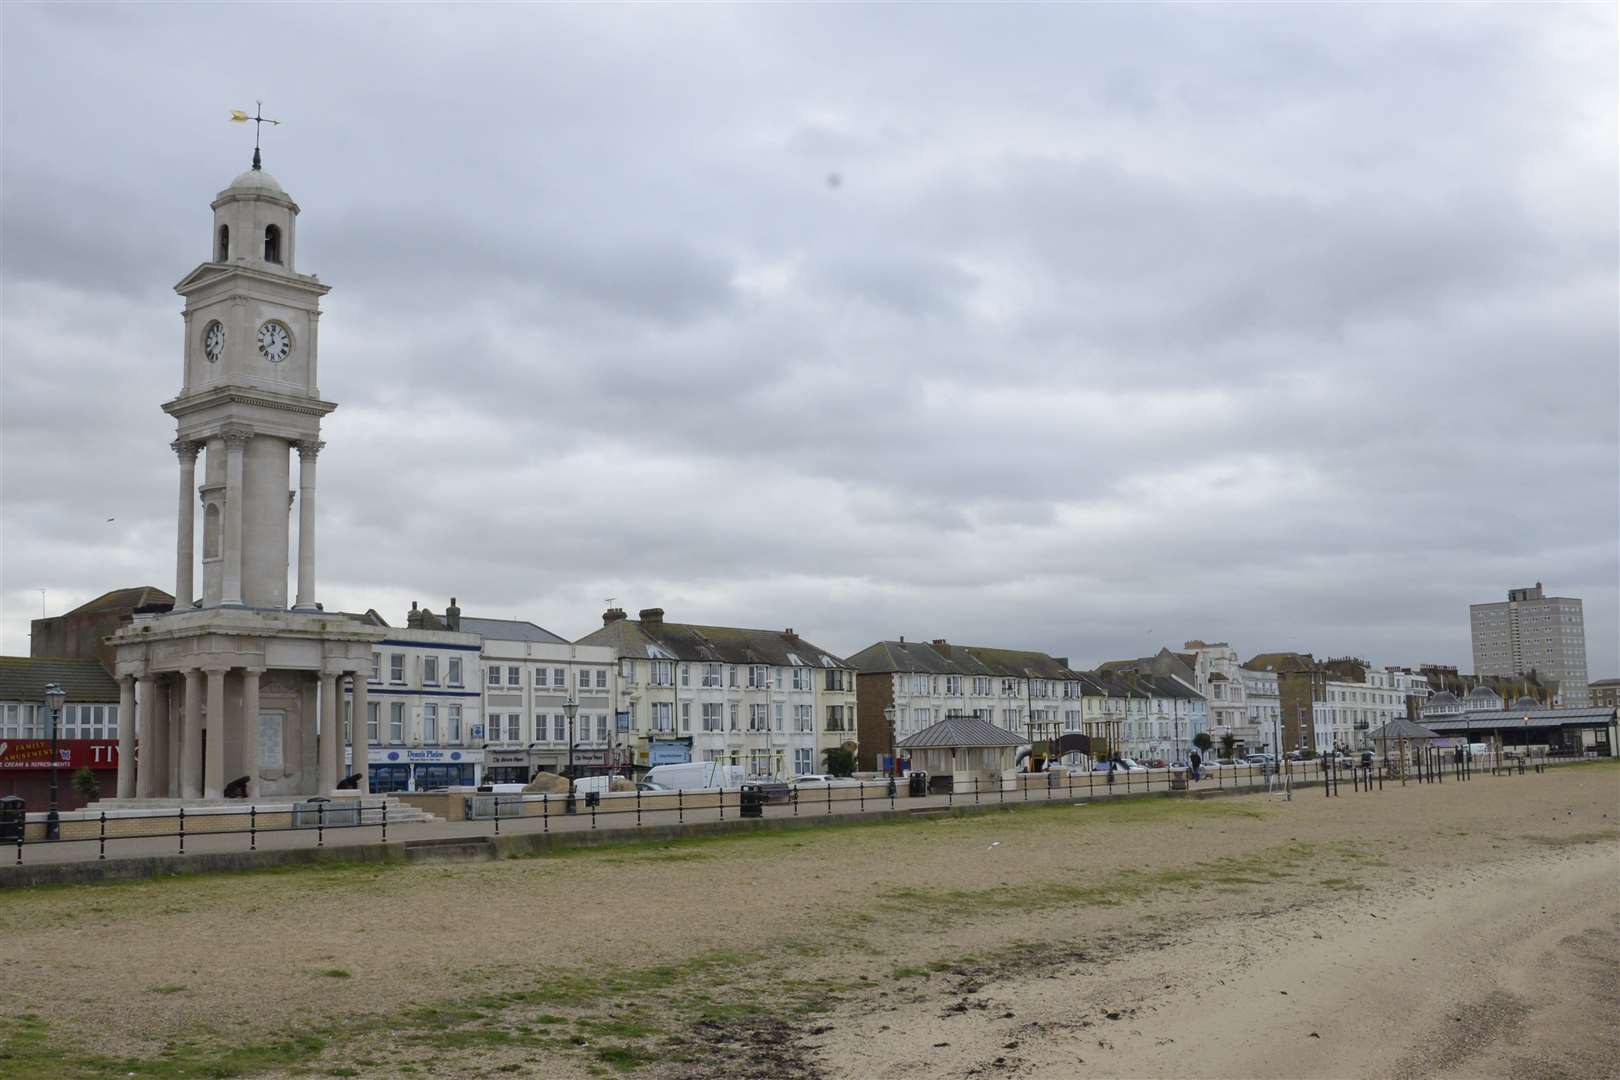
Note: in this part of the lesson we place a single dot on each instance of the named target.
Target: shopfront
(26, 767)
(423, 768)
(508, 767)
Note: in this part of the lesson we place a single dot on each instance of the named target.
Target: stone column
(307, 452)
(185, 555)
(235, 445)
(250, 729)
(331, 735)
(147, 693)
(190, 777)
(359, 742)
(154, 748)
(126, 736)
(214, 766)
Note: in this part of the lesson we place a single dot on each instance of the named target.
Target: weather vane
(238, 116)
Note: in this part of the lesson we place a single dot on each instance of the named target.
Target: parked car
(812, 780)
(1123, 764)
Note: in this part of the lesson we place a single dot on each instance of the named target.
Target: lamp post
(571, 707)
(54, 697)
(888, 718)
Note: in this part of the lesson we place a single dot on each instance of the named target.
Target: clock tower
(248, 400)
(236, 694)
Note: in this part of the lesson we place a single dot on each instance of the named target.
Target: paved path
(619, 821)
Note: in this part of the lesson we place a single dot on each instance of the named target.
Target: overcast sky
(1082, 329)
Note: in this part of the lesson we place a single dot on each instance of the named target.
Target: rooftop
(23, 678)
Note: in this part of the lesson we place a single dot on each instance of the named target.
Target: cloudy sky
(1085, 329)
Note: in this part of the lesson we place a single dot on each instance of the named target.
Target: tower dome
(256, 180)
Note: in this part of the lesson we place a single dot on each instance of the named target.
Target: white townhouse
(423, 709)
(766, 700)
(919, 683)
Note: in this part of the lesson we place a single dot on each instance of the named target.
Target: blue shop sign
(670, 752)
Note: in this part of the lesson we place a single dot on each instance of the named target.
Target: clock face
(274, 342)
(213, 341)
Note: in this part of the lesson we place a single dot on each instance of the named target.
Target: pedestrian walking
(1197, 760)
(1113, 763)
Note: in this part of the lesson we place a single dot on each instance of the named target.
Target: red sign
(70, 754)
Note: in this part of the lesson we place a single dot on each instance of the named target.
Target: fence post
(385, 819)
(975, 790)
(638, 807)
(320, 824)
(862, 783)
(722, 803)
(594, 806)
(680, 808)
(103, 854)
(20, 833)
(545, 812)
(497, 801)
(253, 828)
(182, 830)
(829, 798)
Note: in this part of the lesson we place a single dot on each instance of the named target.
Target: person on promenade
(1197, 760)
(1113, 763)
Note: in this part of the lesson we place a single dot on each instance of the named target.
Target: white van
(695, 775)
(598, 784)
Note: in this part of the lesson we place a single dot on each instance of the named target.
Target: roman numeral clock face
(275, 343)
(213, 341)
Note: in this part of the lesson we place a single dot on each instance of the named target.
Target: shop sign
(494, 758)
(670, 752)
(70, 754)
(410, 755)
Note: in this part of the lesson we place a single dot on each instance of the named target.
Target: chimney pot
(612, 615)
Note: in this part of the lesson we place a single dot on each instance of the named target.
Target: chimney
(652, 619)
(612, 615)
(790, 635)
(1062, 661)
(413, 617)
(452, 615)
(942, 645)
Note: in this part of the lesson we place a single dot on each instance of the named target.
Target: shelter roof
(966, 732)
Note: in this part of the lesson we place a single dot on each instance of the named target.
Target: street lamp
(54, 697)
(571, 707)
(888, 718)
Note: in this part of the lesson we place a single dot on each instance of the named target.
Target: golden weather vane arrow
(258, 118)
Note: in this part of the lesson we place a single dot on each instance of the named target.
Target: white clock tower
(233, 690)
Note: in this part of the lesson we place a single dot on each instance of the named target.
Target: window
(453, 723)
(492, 676)
(1009, 687)
(222, 252)
(373, 719)
(396, 722)
(759, 763)
(778, 675)
(661, 719)
(835, 718)
(396, 668)
(376, 667)
(559, 678)
(757, 718)
(781, 710)
(430, 671)
(801, 678)
(734, 726)
(584, 679)
(953, 685)
(803, 761)
(838, 679)
(663, 673)
(711, 716)
(430, 723)
(601, 727)
(627, 671)
(686, 674)
(514, 676)
(921, 718)
(711, 674)
(981, 685)
(559, 728)
(601, 678)
(453, 671)
(731, 675)
(804, 718)
(758, 677)
(686, 716)
(272, 244)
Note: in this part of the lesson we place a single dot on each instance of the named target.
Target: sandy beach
(1465, 929)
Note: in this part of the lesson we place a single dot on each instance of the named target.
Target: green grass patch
(335, 973)
(1572, 839)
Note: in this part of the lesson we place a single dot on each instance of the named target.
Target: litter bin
(919, 783)
(593, 799)
(751, 801)
(13, 818)
(1178, 779)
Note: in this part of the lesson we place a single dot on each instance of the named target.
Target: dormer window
(224, 253)
(272, 244)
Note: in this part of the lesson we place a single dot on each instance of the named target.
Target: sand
(1465, 929)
